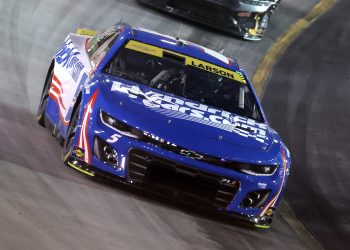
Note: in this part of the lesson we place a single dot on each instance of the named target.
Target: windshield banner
(190, 61)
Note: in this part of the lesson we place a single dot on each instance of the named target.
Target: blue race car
(166, 115)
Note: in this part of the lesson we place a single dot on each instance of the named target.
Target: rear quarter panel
(71, 73)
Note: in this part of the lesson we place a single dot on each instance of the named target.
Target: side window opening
(99, 45)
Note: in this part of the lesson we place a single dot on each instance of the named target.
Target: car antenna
(178, 41)
(121, 23)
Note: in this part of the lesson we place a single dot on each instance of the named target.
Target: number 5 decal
(114, 138)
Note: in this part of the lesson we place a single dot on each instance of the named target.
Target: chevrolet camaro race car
(166, 115)
(245, 18)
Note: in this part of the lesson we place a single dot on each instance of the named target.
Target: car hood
(189, 124)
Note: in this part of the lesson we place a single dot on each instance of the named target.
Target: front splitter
(81, 166)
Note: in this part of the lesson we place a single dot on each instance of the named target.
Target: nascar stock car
(165, 115)
(245, 18)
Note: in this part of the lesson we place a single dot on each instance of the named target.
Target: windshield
(186, 77)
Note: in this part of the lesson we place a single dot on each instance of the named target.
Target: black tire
(43, 100)
(71, 132)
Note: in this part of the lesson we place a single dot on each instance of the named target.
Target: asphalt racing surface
(308, 101)
(46, 205)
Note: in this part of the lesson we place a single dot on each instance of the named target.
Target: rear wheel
(71, 132)
(43, 100)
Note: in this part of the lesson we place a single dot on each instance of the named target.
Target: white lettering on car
(196, 112)
(114, 138)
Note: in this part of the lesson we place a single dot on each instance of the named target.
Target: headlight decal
(118, 126)
(260, 170)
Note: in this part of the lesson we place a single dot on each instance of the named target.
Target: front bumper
(131, 161)
(256, 221)
(219, 15)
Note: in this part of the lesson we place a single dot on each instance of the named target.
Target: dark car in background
(245, 18)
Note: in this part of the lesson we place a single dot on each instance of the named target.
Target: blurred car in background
(245, 18)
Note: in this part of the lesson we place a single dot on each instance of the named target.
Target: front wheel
(71, 131)
(43, 100)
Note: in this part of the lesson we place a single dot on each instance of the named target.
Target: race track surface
(308, 101)
(45, 205)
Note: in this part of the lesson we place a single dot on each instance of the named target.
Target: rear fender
(71, 72)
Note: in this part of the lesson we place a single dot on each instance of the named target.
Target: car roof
(183, 47)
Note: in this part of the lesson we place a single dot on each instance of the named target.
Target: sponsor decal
(190, 61)
(191, 154)
(269, 212)
(78, 153)
(195, 112)
(262, 185)
(214, 69)
(63, 90)
(67, 58)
